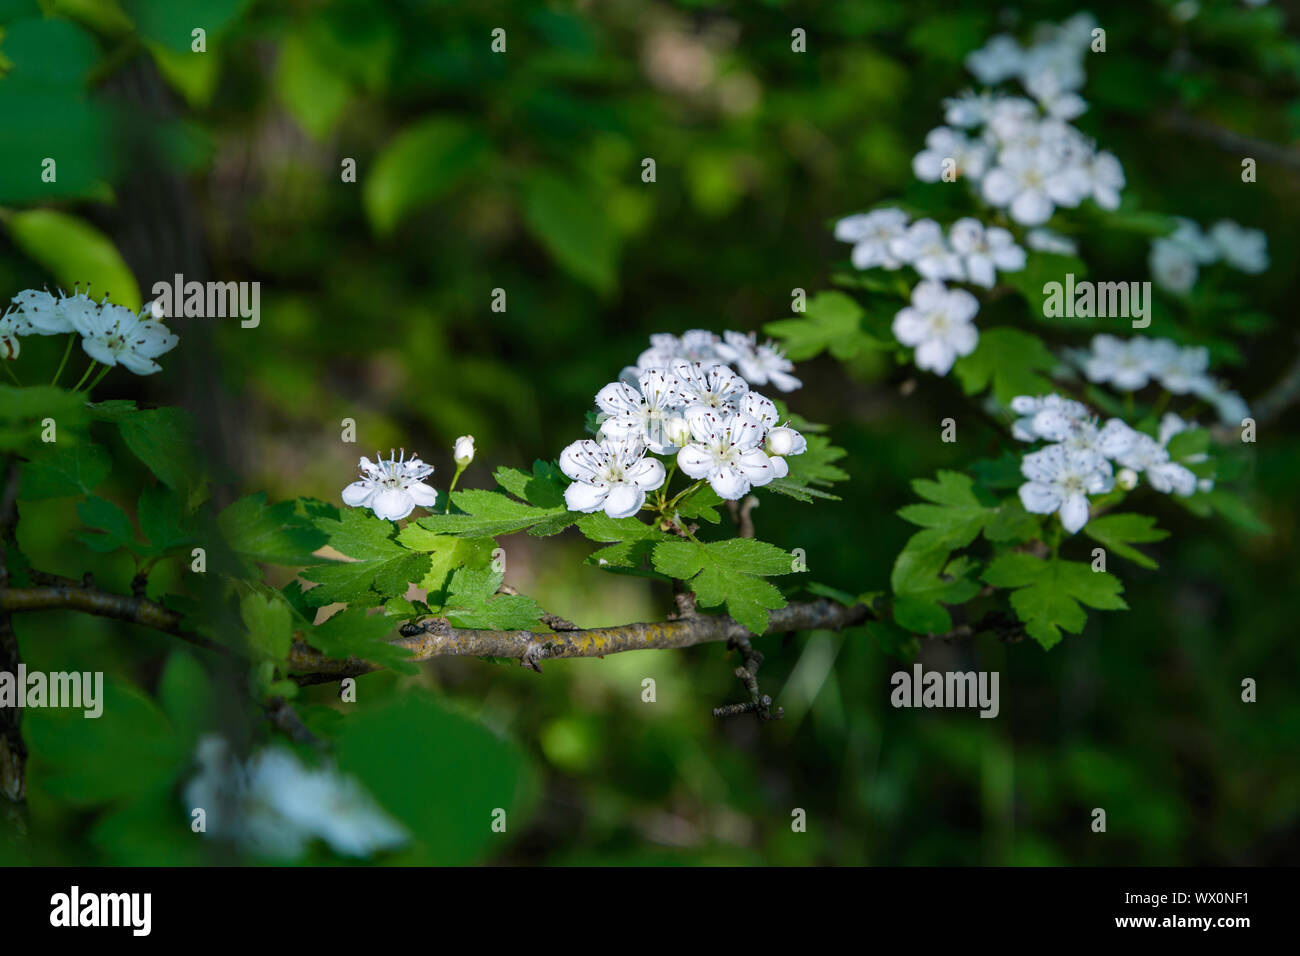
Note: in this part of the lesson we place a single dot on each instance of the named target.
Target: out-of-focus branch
(13, 753)
(54, 593)
(436, 638)
(1285, 391)
(1232, 142)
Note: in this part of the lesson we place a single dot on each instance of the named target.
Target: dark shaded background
(525, 176)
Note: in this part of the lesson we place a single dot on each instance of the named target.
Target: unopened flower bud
(1127, 479)
(780, 440)
(464, 451)
(677, 432)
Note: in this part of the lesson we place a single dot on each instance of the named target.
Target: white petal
(729, 484)
(1039, 499)
(1074, 512)
(98, 351)
(695, 461)
(1032, 208)
(583, 497)
(359, 493)
(756, 467)
(647, 474)
(910, 328)
(422, 494)
(392, 504)
(624, 500)
(935, 355)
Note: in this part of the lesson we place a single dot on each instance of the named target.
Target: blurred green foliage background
(521, 171)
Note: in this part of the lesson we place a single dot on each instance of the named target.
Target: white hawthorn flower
(938, 325)
(1060, 481)
(697, 345)
(713, 386)
(1031, 183)
(1126, 364)
(1105, 179)
(1244, 249)
(644, 413)
(1197, 244)
(1229, 405)
(1173, 265)
(970, 157)
(724, 450)
(55, 314)
(391, 487)
(758, 364)
(273, 805)
(1048, 87)
(984, 252)
(612, 476)
(1180, 370)
(969, 109)
(871, 233)
(114, 335)
(926, 249)
(1028, 407)
(463, 451)
(998, 59)
(1150, 457)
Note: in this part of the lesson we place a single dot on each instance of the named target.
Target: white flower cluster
(939, 322)
(1080, 459)
(681, 399)
(1129, 365)
(1023, 154)
(110, 334)
(273, 805)
(1018, 154)
(1176, 259)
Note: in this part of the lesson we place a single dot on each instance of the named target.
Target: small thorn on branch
(759, 703)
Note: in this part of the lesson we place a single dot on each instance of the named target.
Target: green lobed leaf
(1118, 532)
(729, 572)
(1014, 362)
(1049, 594)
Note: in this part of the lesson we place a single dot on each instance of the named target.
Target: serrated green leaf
(164, 439)
(831, 322)
(922, 581)
(268, 619)
(162, 520)
(1049, 593)
(1014, 362)
(812, 471)
(383, 568)
(543, 487)
(728, 572)
(487, 514)
(354, 633)
(114, 527)
(27, 412)
(1117, 532)
(61, 469)
(269, 534)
